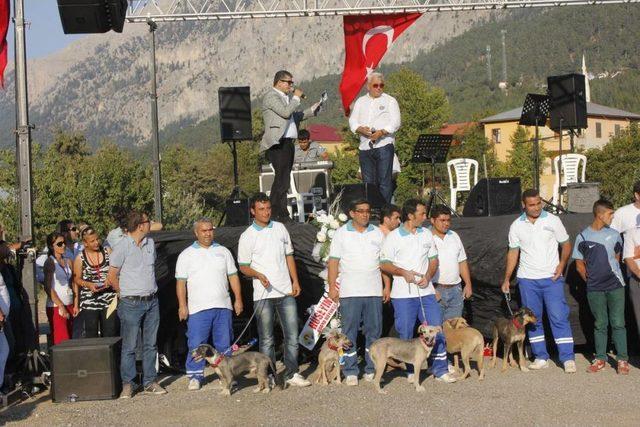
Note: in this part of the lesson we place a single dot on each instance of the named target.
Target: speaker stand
(558, 208)
(433, 193)
(237, 192)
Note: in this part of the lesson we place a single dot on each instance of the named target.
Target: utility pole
(504, 56)
(489, 78)
(155, 140)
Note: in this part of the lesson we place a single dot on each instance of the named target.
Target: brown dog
(328, 369)
(512, 331)
(467, 341)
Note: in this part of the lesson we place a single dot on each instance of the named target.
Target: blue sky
(44, 33)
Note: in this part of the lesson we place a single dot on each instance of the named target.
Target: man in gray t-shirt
(132, 275)
(307, 150)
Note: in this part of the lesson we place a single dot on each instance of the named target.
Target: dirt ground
(547, 397)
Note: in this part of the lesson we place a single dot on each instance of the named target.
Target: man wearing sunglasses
(376, 118)
(281, 118)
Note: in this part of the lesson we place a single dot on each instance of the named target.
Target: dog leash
(507, 297)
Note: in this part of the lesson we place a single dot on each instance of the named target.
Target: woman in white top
(58, 279)
(4, 313)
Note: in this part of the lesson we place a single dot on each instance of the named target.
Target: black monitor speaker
(351, 192)
(567, 101)
(237, 212)
(493, 197)
(235, 113)
(92, 16)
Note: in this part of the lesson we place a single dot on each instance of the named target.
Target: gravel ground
(547, 397)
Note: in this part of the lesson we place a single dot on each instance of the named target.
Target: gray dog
(228, 367)
(415, 351)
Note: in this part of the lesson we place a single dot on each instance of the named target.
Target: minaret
(587, 89)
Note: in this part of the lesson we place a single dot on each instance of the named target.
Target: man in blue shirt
(597, 253)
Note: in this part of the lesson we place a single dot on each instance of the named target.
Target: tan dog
(467, 341)
(328, 369)
(416, 351)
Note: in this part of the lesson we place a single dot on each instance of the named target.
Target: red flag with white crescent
(4, 29)
(366, 39)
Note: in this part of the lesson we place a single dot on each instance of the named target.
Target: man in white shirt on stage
(376, 119)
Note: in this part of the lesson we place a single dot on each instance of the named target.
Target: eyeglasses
(363, 211)
(378, 85)
(59, 244)
(287, 81)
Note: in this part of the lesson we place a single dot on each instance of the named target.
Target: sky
(44, 30)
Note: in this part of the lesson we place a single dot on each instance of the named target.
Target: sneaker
(127, 391)
(446, 378)
(570, 367)
(596, 366)
(352, 380)
(623, 367)
(451, 369)
(194, 384)
(368, 377)
(539, 364)
(410, 378)
(298, 381)
(154, 388)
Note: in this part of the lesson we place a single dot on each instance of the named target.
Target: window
(617, 130)
(598, 130)
(495, 136)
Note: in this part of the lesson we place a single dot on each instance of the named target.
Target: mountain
(99, 84)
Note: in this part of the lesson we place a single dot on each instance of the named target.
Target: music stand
(534, 113)
(433, 149)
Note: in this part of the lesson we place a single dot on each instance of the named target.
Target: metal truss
(198, 10)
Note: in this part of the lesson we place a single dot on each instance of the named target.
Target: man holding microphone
(281, 118)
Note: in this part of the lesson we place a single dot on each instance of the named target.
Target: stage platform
(485, 240)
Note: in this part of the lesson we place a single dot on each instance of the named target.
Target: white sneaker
(410, 378)
(194, 384)
(298, 381)
(570, 367)
(368, 377)
(451, 369)
(539, 364)
(446, 378)
(352, 380)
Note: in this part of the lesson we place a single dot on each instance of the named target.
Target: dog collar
(217, 361)
(516, 323)
(333, 347)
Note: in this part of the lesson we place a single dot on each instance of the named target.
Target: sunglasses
(59, 244)
(378, 85)
(287, 81)
(74, 229)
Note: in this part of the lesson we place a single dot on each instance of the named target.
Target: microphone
(303, 96)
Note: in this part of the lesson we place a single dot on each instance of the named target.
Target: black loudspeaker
(568, 102)
(493, 197)
(351, 192)
(582, 196)
(86, 369)
(235, 113)
(92, 16)
(237, 213)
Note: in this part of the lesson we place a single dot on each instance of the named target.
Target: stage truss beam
(140, 11)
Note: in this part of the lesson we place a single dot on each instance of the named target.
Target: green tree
(615, 166)
(520, 158)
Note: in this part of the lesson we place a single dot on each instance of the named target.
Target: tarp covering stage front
(485, 241)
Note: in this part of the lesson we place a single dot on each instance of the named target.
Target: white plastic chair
(293, 194)
(462, 169)
(572, 172)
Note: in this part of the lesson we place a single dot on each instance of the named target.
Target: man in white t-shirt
(355, 255)
(453, 268)
(265, 253)
(203, 273)
(628, 216)
(631, 256)
(409, 254)
(534, 236)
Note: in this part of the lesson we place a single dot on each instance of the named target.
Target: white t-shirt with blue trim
(538, 244)
(207, 272)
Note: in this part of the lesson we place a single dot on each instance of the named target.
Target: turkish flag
(4, 28)
(366, 39)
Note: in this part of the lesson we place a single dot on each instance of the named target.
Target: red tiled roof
(456, 130)
(324, 133)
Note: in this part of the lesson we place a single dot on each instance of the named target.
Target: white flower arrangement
(327, 223)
